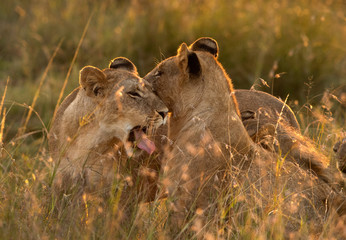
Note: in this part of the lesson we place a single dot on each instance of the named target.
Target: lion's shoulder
(53, 135)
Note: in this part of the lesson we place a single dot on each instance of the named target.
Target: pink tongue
(143, 142)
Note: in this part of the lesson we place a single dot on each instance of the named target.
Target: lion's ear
(92, 80)
(123, 63)
(188, 61)
(206, 44)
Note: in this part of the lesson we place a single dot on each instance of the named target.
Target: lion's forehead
(125, 83)
(130, 83)
(168, 63)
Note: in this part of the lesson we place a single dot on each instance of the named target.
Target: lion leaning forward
(213, 168)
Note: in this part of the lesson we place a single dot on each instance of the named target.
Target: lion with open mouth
(100, 125)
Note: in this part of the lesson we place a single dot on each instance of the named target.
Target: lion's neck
(91, 142)
(77, 114)
(213, 111)
(85, 132)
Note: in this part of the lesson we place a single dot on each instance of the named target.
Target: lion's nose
(163, 114)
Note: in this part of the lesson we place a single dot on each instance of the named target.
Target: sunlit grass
(29, 210)
(42, 45)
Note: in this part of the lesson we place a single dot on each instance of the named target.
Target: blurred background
(295, 47)
(298, 47)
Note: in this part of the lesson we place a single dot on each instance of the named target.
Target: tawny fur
(211, 150)
(272, 123)
(88, 136)
(340, 154)
(266, 108)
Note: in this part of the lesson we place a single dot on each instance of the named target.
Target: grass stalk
(3, 115)
(71, 66)
(38, 90)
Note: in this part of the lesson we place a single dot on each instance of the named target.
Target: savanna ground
(296, 47)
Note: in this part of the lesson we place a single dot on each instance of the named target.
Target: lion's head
(195, 87)
(181, 80)
(109, 113)
(124, 103)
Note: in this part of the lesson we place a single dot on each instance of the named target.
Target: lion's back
(253, 100)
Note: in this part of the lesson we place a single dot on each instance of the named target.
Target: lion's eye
(158, 73)
(134, 94)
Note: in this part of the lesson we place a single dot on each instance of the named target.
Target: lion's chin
(138, 139)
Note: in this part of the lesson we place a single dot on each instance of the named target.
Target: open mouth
(139, 139)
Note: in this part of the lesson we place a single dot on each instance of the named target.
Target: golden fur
(340, 152)
(211, 152)
(272, 123)
(257, 109)
(88, 140)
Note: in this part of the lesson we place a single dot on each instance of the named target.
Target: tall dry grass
(296, 46)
